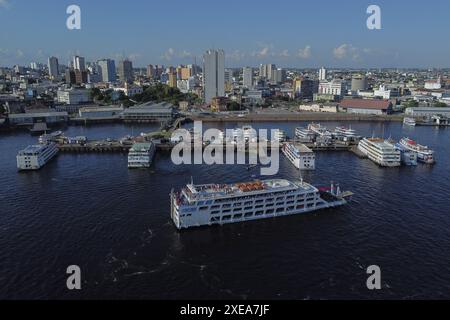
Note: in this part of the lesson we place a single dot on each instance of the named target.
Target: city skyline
(305, 36)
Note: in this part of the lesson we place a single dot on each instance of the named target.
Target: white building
(247, 74)
(315, 107)
(79, 63)
(73, 96)
(322, 74)
(129, 90)
(266, 70)
(334, 87)
(107, 69)
(427, 112)
(433, 84)
(382, 92)
(278, 75)
(213, 74)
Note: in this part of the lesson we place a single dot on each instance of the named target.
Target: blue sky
(290, 33)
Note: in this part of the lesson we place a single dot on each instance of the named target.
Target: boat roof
(33, 149)
(300, 147)
(141, 146)
(214, 191)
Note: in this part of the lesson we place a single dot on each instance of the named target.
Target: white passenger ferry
(424, 154)
(300, 155)
(51, 137)
(279, 135)
(246, 134)
(319, 130)
(346, 133)
(409, 158)
(380, 151)
(409, 122)
(304, 135)
(36, 156)
(141, 155)
(218, 204)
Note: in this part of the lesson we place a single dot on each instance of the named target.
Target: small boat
(424, 154)
(410, 122)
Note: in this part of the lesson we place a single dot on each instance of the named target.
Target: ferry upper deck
(215, 191)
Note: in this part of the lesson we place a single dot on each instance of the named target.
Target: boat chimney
(332, 187)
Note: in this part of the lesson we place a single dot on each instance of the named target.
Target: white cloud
(171, 54)
(168, 55)
(235, 55)
(305, 53)
(134, 56)
(263, 52)
(341, 51)
(345, 51)
(285, 53)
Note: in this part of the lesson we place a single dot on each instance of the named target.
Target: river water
(90, 210)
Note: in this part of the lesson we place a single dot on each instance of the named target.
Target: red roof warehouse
(366, 106)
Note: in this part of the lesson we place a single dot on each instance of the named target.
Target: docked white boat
(300, 155)
(246, 134)
(141, 155)
(409, 122)
(51, 137)
(218, 204)
(347, 134)
(380, 151)
(408, 157)
(424, 154)
(304, 135)
(319, 130)
(279, 136)
(36, 156)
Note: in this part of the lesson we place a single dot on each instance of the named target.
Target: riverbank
(296, 117)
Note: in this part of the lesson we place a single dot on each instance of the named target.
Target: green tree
(440, 105)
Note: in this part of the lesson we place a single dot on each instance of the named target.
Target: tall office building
(150, 71)
(79, 63)
(266, 71)
(107, 69)
(172, 80)
(53, 67)
(322, 74)
(247, 75)
(213, 74)
(126, 71)
(278, 75)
